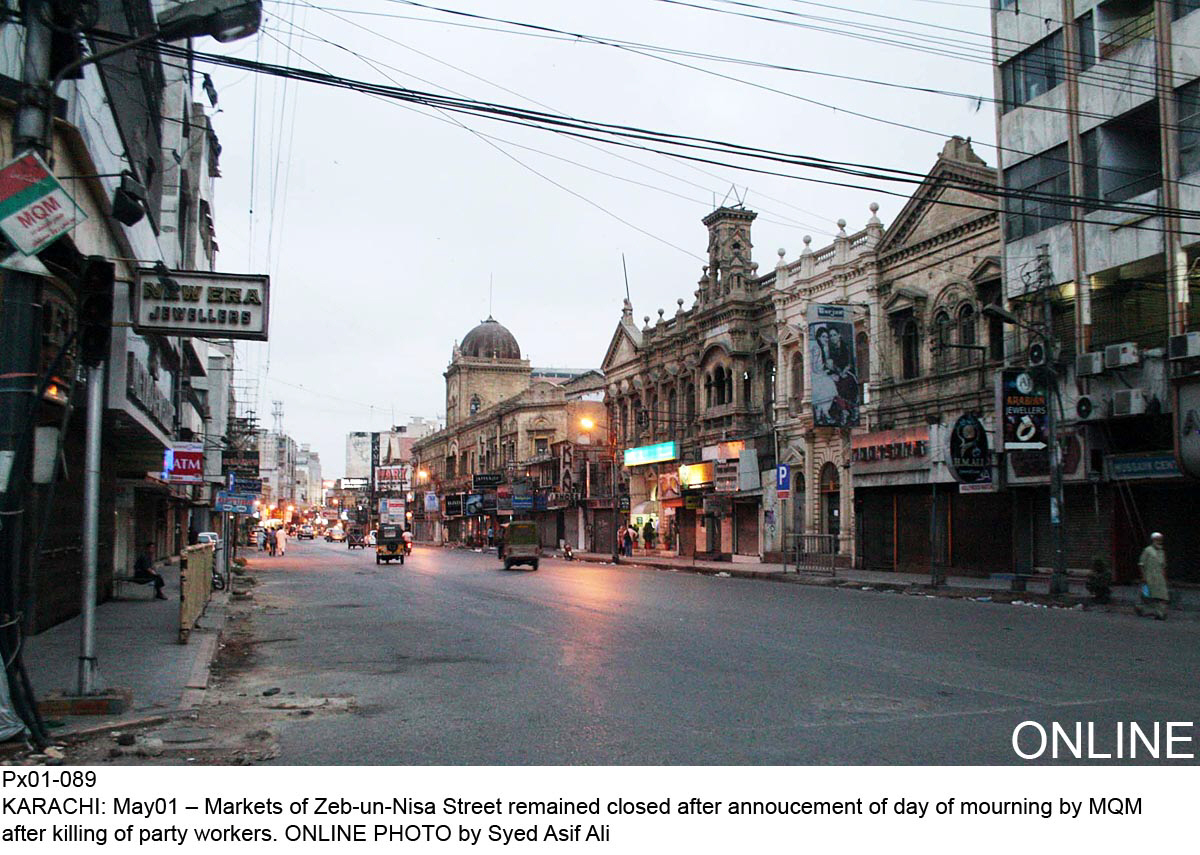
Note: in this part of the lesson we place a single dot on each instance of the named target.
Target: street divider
(195, 586)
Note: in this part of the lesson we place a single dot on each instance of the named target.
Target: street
(448, 659)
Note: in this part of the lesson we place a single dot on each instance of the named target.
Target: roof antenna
(625, 270)
(491, 281)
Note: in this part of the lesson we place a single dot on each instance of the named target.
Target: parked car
(209, 537)
(519, 544)
(306, 532)
(335, 535)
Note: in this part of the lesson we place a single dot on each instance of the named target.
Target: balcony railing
(1141, 27)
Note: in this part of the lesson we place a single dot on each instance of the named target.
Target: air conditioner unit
(1121, 355)
(1089, 364)
(1089, 408)
(1183, 346)
(1129, 402)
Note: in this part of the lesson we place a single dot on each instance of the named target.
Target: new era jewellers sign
(199, 303)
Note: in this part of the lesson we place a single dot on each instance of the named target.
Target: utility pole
(1058, 578)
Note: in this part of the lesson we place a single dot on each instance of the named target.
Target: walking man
(281, 539)
(272, 543)
(1153, 565)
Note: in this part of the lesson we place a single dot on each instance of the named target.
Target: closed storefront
(746, 525)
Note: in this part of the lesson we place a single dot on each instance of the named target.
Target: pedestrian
(629, 542)
(621, 539)
(491, 537)
(281, 539)
(1153, 565)
(272, 542)
(261, 537)
(144, 572)
(648, 534)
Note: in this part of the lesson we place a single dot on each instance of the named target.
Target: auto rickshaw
(389, 544)
(356, 538)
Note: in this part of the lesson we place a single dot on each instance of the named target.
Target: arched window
(624, 420)
(672, 410)
(797, 381)
(910, 349)
(862, 356)
(941, 338)
(652, 417)
(689, 406)
(475, 404)
(729, 386)
(719, 386)
(966, 333)
(708, 391)
(747, 388)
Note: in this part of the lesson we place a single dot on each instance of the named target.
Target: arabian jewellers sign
(199, 303)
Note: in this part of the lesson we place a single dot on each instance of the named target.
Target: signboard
(35, 210)
(486, 479)
(355, 483)
(522, 503)
(890, 450)
(697, 476)
(1141, 467)
(833, 372)
(392, 510)
(725, 479)
(723, 450)
(783, 481)
(504, 499)
(970, 457)
(392, 478)
(1024, 408)
(234, 503)
(646, 454)
(454, 505)
(199, 303)
(718, 506)
(183, 463)
(240, 463)
(1033, 467)
(241, 484)
(431, 503)
(473, 504)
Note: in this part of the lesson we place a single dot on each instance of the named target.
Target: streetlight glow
(586, 423)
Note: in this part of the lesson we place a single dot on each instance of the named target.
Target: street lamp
(589, 424)
(1058, 577)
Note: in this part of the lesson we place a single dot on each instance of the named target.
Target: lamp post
(589, 424)
(1058, 577)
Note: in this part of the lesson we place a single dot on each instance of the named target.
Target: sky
(390, 230)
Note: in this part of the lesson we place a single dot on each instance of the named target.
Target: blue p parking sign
(783, 480)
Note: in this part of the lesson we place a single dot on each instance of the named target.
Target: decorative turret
(729, 251)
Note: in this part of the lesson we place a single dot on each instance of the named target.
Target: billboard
(392, 478)
(833, 371)
(201, 303)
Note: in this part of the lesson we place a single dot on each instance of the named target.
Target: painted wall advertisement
(833, 372)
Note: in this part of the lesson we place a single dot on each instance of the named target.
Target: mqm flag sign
(35, 210)
(183, 463)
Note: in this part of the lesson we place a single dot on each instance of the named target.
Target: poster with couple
(833, 365)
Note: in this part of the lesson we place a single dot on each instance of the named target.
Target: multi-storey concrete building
(1099, 135)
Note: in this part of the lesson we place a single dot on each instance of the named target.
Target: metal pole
(616, 556)
(88, 673)
(1058, 578)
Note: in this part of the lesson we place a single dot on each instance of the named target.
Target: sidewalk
(998, 587)
(137, 649)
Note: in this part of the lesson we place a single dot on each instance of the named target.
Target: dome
(490, 340)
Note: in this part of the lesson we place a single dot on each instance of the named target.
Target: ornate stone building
(506, 423)
(691, 401)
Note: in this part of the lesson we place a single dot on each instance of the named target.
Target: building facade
(500, 456)
(1098, 121)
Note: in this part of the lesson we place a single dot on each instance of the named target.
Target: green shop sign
(651, 453)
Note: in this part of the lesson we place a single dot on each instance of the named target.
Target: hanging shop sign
(397, 478)
(486, 479)
(35, 210)
(199, 303)
(1033, 467)
(183, 463)
(970, 457)
(646, 454)
(833, 373)
(473, 504)
(668, 485)
(697, 476)
(718, 506)
(454, 505)
(242, 484)
(1023, 404)
(234, 503)
(504, 500)
(241, 463)
(355, 483)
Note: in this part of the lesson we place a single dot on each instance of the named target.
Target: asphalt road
(450, 659)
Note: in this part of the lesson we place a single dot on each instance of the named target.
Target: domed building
(485, 369)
